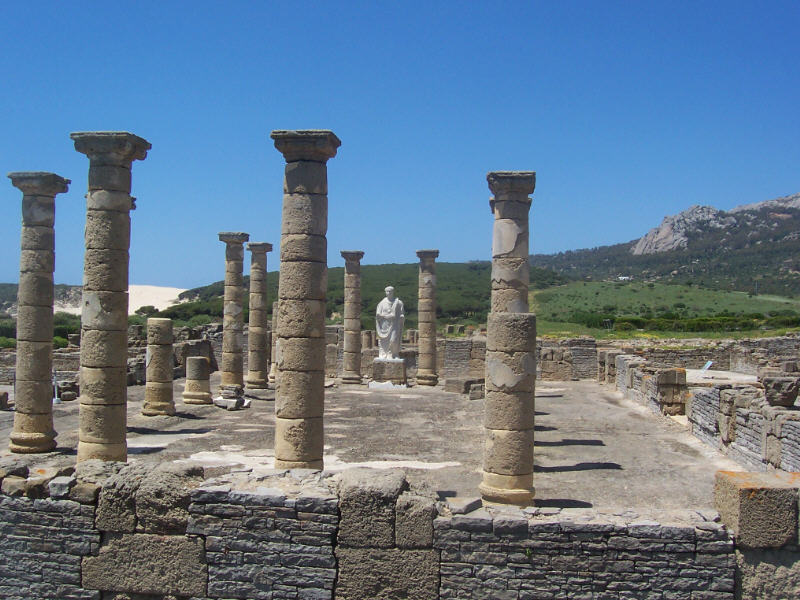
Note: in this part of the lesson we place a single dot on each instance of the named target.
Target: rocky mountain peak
(675, 230)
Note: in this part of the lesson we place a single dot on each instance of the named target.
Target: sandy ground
(593, 447)
(138, 296)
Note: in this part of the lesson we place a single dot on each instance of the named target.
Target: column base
(516, 489)
(107, 452)
(256, 382)
(197, 398)
(31, 443)
(427, 379)
(354, 378)
(315, 465)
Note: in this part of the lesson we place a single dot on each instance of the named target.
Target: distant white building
(624, 278)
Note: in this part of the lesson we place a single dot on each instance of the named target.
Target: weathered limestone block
(198, 387)
(116, 506)
(33, 418)
(373, 574)
(414, 521)
(148, 564)
(351, 372)
(767, 573)
(258, 343)
(367, 499)
(158, 394)
(104, 343)
(390, 369)
(162, 499)
(303, 277)
(760, 508)
(781, 391)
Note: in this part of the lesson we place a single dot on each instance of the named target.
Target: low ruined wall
(363, 534)
(564, 360)
(464, 357)
(662, 390)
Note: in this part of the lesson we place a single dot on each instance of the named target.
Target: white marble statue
(389, 319)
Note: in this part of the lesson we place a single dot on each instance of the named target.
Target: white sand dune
(138, 296)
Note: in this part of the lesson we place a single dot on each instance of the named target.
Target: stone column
(104, 317)
(258, 343)
(33, 387)
(273, 338)
(303, 282)
(232, 368)
(510, 347)
(158, 398)
(198, 387)
(426, 363)
(351, 369)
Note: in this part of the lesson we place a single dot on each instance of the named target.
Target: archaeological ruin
(487, 462)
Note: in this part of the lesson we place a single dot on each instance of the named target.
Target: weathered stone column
(351, 368)
(510, 347)
(426, 363)
(273, 338)
(198, 387)
(158, 397)
(33, 386)
(258, 343)
(104, 318)
(303, 282)
(232, 367)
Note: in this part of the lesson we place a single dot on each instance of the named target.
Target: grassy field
(640, 299)
(556, 329)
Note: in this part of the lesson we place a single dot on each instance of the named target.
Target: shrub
(6, 342)
(60, 342)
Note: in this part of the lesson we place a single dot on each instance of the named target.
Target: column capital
(39, 183)
(427, 254)
(511, 182)
(352, 255)
(316, 145)
(233, 237)
(118, 147)
(259, 247)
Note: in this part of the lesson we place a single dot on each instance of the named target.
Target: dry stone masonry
(510, 347)
(33, 416)
(352, 316)
(158, 398)
(273, 340)
(258, 335)
(104, 316)
(426, 363)
(198, 387)
(232, 368)
(300, 346)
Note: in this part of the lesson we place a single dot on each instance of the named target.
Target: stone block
(760, 508)
(163, 497)
(393, 370)
(116, 507)
(369, 574)
(781, 391)
(767, 573)
(414, 521)
(148, 564)
(367, 499)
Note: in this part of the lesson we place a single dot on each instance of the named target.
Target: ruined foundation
(510, 347)
(33, 410)
(232, 367)
(352, 316)
(104, 318)
(258, 334)
(158, 398)
(426, 369)
(300, 346)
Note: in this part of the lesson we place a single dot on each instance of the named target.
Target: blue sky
(628, 111)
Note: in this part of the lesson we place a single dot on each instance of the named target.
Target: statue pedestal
(390, 369)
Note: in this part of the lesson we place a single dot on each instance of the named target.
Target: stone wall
(113, 531)
(564, 360)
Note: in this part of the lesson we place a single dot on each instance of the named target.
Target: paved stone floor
(593, 448)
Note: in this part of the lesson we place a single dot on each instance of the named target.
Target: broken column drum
(104, 315)
(232, 368)
(258, 338)
(33, 385)
(351, 369)
(510, 347)
(300, 346)
(158, 396)
(426, 363)
(197, 389)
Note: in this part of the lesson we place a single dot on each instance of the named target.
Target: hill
(752, 248)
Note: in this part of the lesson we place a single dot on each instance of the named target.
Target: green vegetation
(7, 342)
(65, 323)
(589, 308)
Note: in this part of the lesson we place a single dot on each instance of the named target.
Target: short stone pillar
(33, 386)
(198, 387)
(258, 343)
(232, 367)
(303, 282)
(510, 347)
(159, 369)
(273, 338)
(426, 363)
(104, 318)
(366, 339)
(351, 360)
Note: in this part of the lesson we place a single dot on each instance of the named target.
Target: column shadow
(584, 466)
